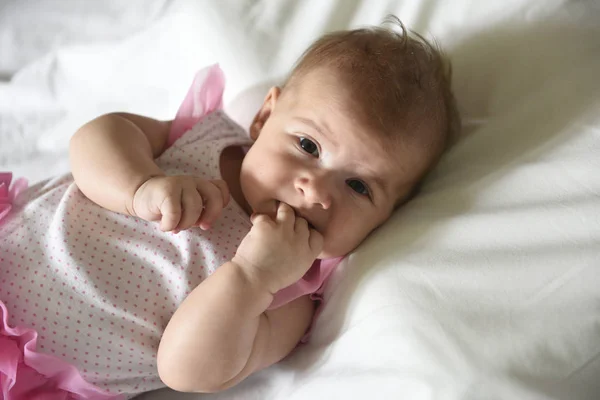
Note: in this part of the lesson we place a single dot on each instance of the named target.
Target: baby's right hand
(278, 252)
(180, 202)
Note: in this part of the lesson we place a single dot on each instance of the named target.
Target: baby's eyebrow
(321, 130)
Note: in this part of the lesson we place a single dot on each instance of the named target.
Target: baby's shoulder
(214, 127)
(198, 150)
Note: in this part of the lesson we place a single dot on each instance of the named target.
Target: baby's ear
(264, 113)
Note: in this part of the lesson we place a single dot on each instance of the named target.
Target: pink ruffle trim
(28, 375)
(203, 97)
(311, 283)
(8, 193)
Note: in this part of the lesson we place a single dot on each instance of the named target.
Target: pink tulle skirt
(26, 374)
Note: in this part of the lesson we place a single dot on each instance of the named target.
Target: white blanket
(487, 286)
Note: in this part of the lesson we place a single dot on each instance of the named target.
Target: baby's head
(360, 121)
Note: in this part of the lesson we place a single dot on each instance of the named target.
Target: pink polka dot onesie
(85, 293)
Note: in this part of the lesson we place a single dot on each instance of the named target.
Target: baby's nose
(315, 190)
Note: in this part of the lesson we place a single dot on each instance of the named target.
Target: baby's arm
(113, 155)
(222, 333)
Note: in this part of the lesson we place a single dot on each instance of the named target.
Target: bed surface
(486, 286)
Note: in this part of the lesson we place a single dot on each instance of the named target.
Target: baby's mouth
(301, 215)
(298, 214)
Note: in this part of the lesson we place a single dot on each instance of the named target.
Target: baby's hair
(399, 83)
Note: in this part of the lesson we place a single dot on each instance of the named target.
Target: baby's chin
(336, 249)
(330, 253)
(268, 208)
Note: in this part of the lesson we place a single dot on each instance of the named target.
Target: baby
(249, 228)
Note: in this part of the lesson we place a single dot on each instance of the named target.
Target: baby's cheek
(336, 245)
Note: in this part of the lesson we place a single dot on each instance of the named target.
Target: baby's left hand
(180, 202)
(277, 253)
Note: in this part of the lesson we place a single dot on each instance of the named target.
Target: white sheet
(485, 286)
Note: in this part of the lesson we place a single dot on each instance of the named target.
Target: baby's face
(312, 154)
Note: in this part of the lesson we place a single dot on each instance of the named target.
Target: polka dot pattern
(100, 287)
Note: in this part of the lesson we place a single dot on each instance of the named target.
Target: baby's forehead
(323, 89)
(400, 159)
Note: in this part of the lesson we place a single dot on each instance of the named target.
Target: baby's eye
(309, 146)
(358, 186)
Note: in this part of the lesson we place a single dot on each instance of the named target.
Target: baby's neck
(230, 165)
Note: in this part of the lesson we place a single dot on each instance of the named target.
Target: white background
(484, 287)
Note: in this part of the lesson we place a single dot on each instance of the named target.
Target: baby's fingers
(213, 203)
(222, 186)
(260, 218)
(285, 215)
(192, 208)
(170, 210)
(301, 225)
